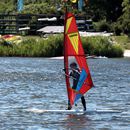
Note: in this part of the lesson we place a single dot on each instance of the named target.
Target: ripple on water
(38, 83)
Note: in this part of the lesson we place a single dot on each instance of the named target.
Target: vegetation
(53, 46)
(123, 41)
(102, 26)
(102, 46)
(109, 12)
(124, 20)
(34, 47)
(108, 15)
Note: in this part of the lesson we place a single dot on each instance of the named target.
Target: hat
(73, 64)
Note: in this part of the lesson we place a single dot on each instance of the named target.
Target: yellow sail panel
(68, 24)
(74, 38)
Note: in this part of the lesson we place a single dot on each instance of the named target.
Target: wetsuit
(75, 74)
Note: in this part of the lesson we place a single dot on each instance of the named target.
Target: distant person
(75, 74)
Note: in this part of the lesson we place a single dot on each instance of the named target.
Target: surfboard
(73, 111)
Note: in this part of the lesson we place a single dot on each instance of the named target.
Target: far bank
(34, 46)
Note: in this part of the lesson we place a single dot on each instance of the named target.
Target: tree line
(109, 15)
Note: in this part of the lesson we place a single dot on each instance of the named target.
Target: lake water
(28, 83)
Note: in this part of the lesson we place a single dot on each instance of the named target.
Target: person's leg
(69, 106)
(83, 102)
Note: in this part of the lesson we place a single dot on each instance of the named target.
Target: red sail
(73, 51)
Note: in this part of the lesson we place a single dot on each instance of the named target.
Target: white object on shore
(87, 34)
(57, 58)
(52, 29)
(60, 29)
(47, 19)
(127, 53)
(26, 28)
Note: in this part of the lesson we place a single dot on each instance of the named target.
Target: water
(27, 83)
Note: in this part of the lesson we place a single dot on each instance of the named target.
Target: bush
(53, 46)
(117, 28)
(101, 46)
(102, 26)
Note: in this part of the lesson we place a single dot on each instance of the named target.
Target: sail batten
(73, 48)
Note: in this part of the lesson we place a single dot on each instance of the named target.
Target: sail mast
(65, 53)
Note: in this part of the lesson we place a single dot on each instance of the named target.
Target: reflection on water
(80, 122)
(39, 83)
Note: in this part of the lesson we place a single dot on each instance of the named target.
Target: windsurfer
(75, 74)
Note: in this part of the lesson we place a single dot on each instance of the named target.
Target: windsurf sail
(73, 52)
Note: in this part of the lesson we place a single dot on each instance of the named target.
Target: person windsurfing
(73, 49)
(75, 74)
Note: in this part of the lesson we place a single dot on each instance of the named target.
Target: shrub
(53, 46)
(102, 26)
(101, 46)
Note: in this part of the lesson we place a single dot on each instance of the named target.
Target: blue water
(27, 83)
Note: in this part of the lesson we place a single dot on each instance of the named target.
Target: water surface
(27, 83)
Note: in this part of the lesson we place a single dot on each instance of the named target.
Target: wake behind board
(40, 111)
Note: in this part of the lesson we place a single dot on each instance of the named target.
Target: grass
(101, 46)
(123, 40)
(53, 46)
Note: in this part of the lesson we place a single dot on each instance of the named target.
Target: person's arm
(76, 70)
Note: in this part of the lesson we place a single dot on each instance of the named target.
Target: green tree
(41, 6)
(96, 10)
(113, 9)
(7, 6)
(105, 9)
(125, 18)
(2, 7)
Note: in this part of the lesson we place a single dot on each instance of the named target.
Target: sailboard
(73, 52)
(42, 111)
(73, 111)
